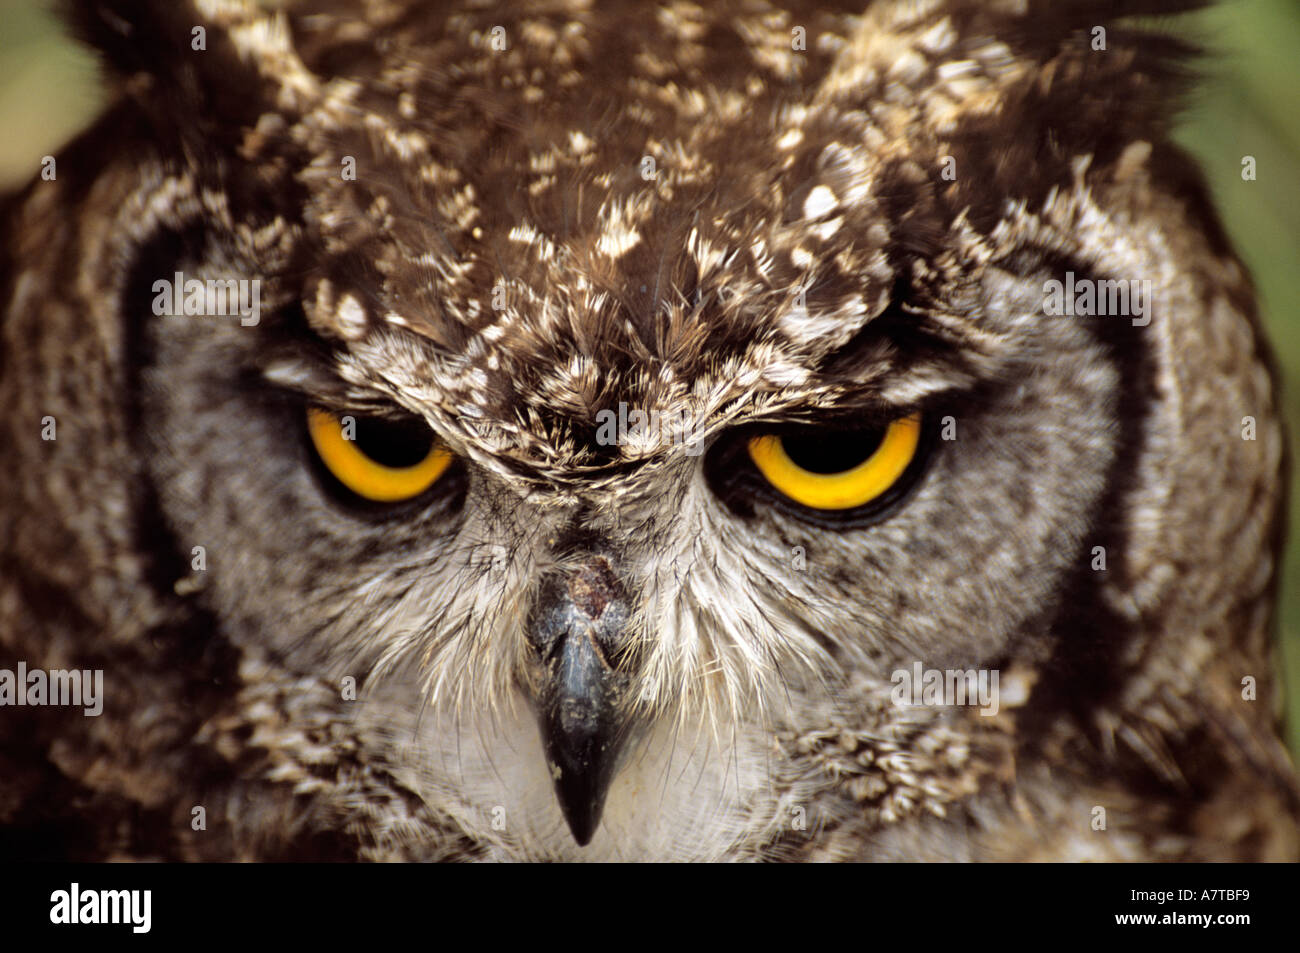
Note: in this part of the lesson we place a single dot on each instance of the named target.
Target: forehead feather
(571, 244)
(681, 207)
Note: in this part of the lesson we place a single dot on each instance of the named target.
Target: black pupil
(831, 452)
(394, 443)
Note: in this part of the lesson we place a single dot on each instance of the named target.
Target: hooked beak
(580, 639)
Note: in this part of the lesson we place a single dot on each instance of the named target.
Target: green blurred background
(1250, 106)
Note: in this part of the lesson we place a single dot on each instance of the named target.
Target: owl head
(684, 372)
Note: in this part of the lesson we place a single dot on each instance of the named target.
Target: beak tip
(582, 828)
(581, 794)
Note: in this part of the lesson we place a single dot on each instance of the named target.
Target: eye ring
(368, 478)
(847, 489)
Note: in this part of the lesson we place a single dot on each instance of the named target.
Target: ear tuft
(181, 69)
(133, 36)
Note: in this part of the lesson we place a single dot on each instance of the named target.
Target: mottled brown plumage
(742, 215)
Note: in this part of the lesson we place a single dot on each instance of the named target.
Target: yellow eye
(827, 478)
(377, 460)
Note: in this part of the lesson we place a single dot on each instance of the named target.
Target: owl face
(504, 273)
(622, 410)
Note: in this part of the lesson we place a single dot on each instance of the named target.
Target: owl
(553, 431)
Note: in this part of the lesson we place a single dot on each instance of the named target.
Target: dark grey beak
(579, 635)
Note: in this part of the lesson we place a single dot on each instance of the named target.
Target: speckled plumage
(506, 264)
